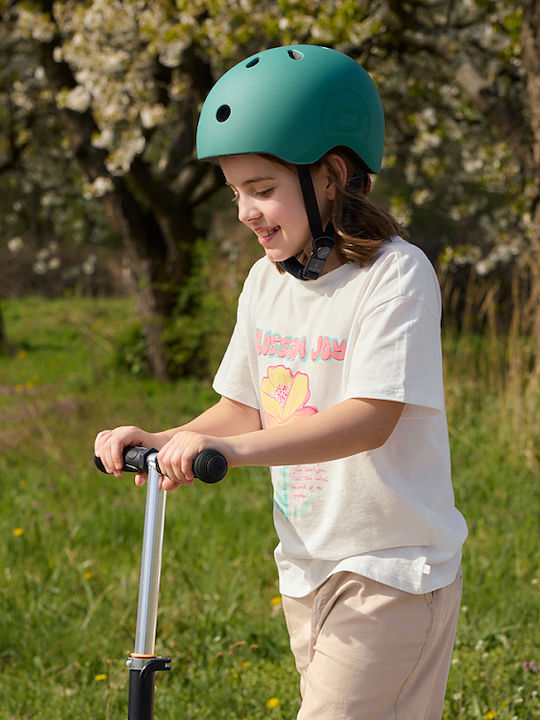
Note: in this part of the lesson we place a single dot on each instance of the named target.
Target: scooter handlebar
(210, 466)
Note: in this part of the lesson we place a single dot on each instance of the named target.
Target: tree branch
(484, 95)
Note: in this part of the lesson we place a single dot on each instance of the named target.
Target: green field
(70, 563)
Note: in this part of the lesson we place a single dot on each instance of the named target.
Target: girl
(333, 378)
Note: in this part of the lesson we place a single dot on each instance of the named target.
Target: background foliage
(72, 538)
(100, 195)
(99, 102)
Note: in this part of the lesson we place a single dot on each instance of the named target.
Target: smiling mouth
(265, 235)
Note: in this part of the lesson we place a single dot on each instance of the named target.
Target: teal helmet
(297, 103)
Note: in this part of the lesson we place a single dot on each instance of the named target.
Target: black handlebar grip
(209, 466)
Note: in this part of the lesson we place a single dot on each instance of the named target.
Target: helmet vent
(253, 62)
(295, 54)
(223, 113)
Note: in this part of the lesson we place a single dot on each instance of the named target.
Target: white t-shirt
(300, 347)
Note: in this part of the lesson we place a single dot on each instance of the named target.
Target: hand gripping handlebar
(209, 466)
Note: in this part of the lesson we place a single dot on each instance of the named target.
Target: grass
(69, 569)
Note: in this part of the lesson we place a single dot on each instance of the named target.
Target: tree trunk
(530, 41)
(160, 268)
(157, 232)
(3, 339)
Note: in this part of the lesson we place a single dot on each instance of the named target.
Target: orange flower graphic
(284, 396)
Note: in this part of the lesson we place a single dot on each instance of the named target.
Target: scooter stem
(143, 663)
(154, 520)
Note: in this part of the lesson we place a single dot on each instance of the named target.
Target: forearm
(220, 420)
(353, 426)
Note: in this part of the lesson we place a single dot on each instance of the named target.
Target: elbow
(384, 424)
(379, 439)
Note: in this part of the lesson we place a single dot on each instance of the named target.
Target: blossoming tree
(460, 86)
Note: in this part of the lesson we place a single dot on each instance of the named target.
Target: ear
(338, 174)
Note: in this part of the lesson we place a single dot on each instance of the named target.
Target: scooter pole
(143, 662)
(209, 466)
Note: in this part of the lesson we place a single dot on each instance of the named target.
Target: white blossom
(104, 139)
(89, 265)
(40, 267)
(421, 197)
(15, 244)
(152, 116)
(101, 186)
(77, 99)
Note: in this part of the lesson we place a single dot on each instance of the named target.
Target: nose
(247, 209)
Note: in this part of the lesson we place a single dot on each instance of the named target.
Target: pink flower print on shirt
(284, 396)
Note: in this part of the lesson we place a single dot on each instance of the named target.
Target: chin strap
(323, 240)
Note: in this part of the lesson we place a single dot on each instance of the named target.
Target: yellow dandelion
(272, 703)
(100, 677)
(29, 384)
(87, 575)
(22, 354)
(18, 388)
(276, 600)
(490, 715)
(18, 532)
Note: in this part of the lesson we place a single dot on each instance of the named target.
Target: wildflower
(276, 600)
(272, 703)
(100, 677)
(531, 666)
(22, 354)
(490, 715)
(87, 575)
(18, 532)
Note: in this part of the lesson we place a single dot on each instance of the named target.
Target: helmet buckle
(322, 247)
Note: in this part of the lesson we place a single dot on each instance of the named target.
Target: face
(270, 203)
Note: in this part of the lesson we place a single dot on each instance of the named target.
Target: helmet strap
(323, 240)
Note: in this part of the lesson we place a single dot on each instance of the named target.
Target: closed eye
(257, 193)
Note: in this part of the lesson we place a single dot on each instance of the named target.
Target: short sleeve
(234, 377)
(396, 355)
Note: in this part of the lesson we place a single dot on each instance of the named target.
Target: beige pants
(366, 651)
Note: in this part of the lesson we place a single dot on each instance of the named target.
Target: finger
(169, 468)
(141, 479)
(169, 485)
(99, 442)
(101, 437)
(187, 466)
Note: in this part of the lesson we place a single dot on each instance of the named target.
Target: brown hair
(360, 226)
